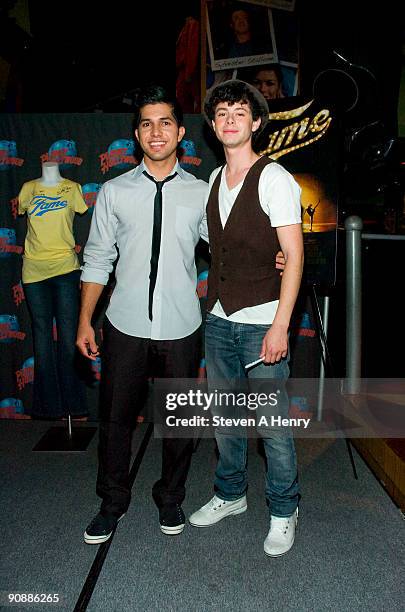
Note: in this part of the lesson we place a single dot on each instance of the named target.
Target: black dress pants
(127, 362)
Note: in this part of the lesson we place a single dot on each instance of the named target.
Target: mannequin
(50, 174)
(50, 277)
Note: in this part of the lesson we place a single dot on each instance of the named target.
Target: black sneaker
(101, 528)
(171, 519)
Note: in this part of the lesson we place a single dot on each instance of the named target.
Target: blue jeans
(228, 348)
(57, 387)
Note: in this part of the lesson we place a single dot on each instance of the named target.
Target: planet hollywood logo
(120, 154)
(10, 329)
(303, 327)
(8, 244)
(90, 193)
(64, 153)
(188, 155)
(11, 408)
(202, 372)
(18, 293)
(14, 207)
(299, 407)
(96, 370)
(202, 284)
(25, 376)
(8, 154)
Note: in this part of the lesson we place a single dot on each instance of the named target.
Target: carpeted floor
(349, 552)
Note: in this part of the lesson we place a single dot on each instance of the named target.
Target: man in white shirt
(253, 209)
(153, 215)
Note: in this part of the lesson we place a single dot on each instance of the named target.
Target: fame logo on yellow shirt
(44, 204)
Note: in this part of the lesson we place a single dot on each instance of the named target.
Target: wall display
(303, 136)
(248, 38)
(239, 34)
(90, 149)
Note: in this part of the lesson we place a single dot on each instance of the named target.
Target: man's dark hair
(156, 94)
(232, 93)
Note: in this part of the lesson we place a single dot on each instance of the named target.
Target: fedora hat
(260, 100)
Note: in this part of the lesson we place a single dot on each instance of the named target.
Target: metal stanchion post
(353, 226)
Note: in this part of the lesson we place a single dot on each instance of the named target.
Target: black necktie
(156, 235)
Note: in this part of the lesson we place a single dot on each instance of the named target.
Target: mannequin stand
(66, 439)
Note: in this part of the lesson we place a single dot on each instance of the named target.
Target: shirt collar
(176, 168)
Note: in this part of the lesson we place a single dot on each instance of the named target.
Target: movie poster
(303, 136)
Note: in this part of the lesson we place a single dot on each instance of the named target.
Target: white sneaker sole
(172, 530)
(99, 539)
(280, 554)
(218, 519)
(96, 539)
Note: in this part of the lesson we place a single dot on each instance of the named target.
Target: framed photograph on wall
(239, 34)
(286, 35)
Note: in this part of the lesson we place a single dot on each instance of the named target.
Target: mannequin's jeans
(58, 389)
(228, 348)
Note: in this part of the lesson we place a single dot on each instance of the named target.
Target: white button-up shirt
(123, 219)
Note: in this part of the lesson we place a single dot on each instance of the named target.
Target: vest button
(224, 250)
(222, 278)
(221, 263)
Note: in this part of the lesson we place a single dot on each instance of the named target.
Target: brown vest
(243, 254)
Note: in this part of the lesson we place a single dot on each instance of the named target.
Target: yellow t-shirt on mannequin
(49, 245)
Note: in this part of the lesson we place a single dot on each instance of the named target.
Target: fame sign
(304, 139)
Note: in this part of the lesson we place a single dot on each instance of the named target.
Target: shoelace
(179, 515)
(218, 505)
(275, 524)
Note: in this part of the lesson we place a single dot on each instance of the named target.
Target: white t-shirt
(279, 196)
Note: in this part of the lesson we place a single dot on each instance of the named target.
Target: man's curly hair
(232, 93)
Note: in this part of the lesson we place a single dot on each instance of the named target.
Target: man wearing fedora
(253, 209)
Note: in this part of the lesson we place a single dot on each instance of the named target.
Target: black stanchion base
(57, 439)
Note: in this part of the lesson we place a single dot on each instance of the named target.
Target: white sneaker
(216, 510)
(281, 535)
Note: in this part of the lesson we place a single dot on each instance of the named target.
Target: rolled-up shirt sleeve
(100, 251)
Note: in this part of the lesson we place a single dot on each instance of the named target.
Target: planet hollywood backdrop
(93, 148)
